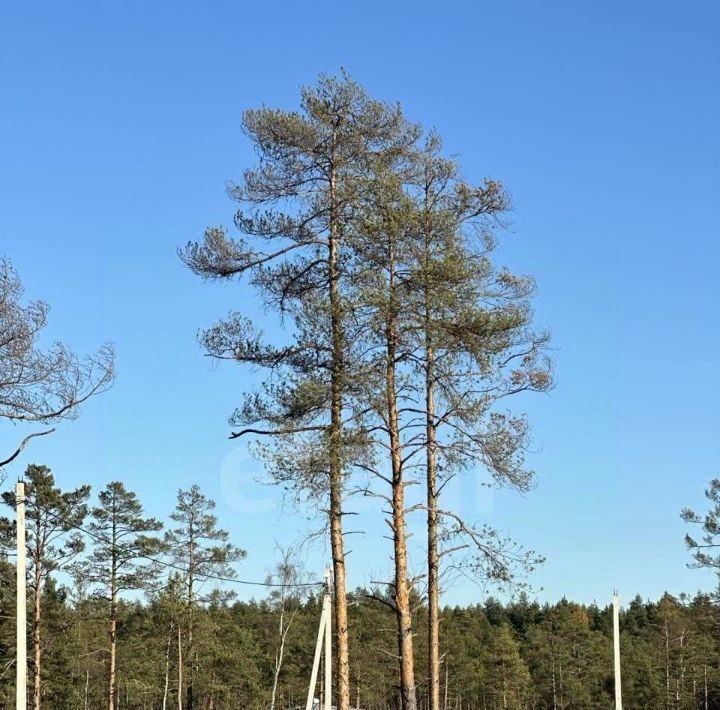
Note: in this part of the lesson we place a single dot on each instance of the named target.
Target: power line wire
(171, 565)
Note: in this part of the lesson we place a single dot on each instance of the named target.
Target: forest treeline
(520, 655)
(153, 606)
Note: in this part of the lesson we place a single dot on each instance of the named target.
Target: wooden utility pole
(616, 647)
(21, 631)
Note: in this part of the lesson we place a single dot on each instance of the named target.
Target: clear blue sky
(120, 125)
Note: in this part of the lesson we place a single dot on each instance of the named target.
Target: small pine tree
(709, 524)
(121, 559)
(53, 541)
(202, 551)
(510, 679)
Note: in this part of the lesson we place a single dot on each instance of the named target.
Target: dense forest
(180, 630)
(521, 655)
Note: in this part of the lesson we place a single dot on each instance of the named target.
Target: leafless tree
(40, 386)
(286, 597)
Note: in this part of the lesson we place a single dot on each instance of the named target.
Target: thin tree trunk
(447, 673)
(667, 666)
(113, 648)
(280, 652)
(113, 611)
(189, 700)
(37, 617)
(190, 651)
(681, 682)
(180, 669)
(402, 587)
(167, 672)
(113, 617)
(342, 669)
(87, 687)
(433, 559)
(561, 685)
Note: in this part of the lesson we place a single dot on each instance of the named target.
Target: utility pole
(316, 661)
(323, 647)
(616, 647)
(21, 607)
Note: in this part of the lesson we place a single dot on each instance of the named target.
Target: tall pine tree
(469, 337)
(297, 209)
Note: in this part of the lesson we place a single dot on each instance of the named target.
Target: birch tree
(286, 600)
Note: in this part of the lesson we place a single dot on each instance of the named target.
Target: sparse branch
(22, 446)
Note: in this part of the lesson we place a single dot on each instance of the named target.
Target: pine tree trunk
(211, 699)
(667, 666)
(113, 613)
(180, 669)
(342, 670)
(167, 672)
(432, 524)
(113, 647)
(402, 587)
(681, 680)
(433, 555)
(447, 678)
(561, 685)
(189, 650)
(189, 683)
(37, 613)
